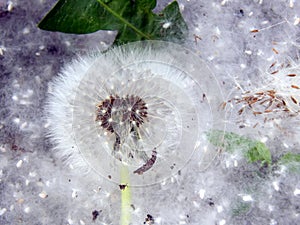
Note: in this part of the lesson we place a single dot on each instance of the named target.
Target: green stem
(124, 21)
(125, 197)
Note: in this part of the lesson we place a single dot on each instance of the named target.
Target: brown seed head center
(116, 111)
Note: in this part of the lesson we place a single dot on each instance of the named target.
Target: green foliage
(134, 20)
(259, 152)
(291, 161)
(240, 208)
(253, 150)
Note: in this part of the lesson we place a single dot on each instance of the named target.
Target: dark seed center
(117, 111)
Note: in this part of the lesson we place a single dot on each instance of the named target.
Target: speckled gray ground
(35, 187)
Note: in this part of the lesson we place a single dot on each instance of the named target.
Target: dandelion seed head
(153, 118)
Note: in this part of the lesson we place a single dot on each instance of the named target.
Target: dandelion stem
(125, 197)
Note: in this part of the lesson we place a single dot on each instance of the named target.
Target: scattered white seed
(235, 163)
(264, 139)
(82, 222)
(222, 222)
(167, 25)
(158, 220)
(164, 182)
(297, 21)
(32, 174)
(26, 30)
(196, 204)
(74, 194)
(181, 7)
(10, 6)
(70, 221)
(107, 194)
(297, 192)
(275, 185)
(16, 120)
(23, 125)
(19, 163)
(198, 143)
(67, 43)
(110, 120)
(210, 58)
(27, 209)
(15, 98)
(248, 52)
(247, 198)
(243, 66)
(219, 209)
(27, 182)
(43, 194)
(37, 54)
(273, 222)
(259, 52)
(224, 2)
(227, 163)
(48, 183)
(291, 3)
(201, 193)
(1, 51)
(46, 125)
(217, 31)
(2, 211)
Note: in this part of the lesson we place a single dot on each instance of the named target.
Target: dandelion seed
(295, 86)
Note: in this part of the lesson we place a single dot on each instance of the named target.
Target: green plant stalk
(124, 21)
(125, 197)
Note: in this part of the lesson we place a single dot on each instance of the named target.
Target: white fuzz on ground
(251, 47)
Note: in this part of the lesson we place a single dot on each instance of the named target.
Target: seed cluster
(265, 102)
(117, 110)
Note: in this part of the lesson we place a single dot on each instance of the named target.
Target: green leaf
(240, 208)
(134, 20)
(253, 150)
(291, 161)
(259, 152)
